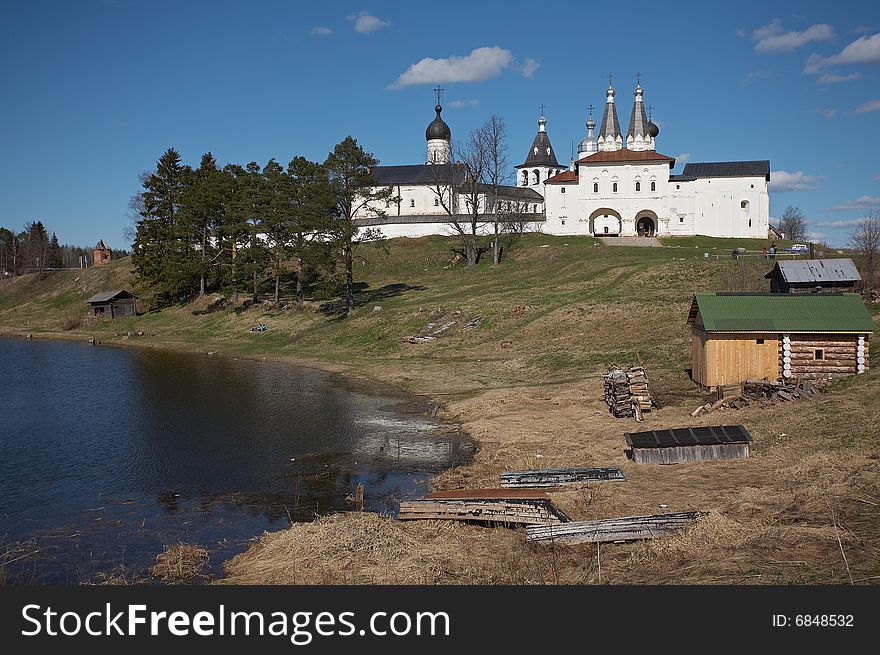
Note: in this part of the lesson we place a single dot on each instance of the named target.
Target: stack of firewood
(627, 392)
(737, 396)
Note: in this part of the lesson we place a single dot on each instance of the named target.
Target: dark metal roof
(610, 126)
(759, 167)
(703, 436)
(638, 120)
(541, 153)
(681, 178)
(107, 296)
(796, 271)
(516, 192)
(438, 129)
(414, 174)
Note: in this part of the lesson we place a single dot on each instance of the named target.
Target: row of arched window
(614, 186)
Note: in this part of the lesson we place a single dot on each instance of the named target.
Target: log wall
(840, 355)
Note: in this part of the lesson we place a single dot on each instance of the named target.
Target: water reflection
(107, 454)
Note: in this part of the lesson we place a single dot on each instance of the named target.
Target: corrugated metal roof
(796, 271)
(783, 312)
(728, 169)
(105, 296)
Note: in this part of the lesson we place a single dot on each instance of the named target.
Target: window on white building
(595, 187)
(653, 186)
(744, 204)
(412, 202)
(562, 190)
(677, 186)
(681, 219)
(436, 202)
(525, 178)
(537, 176)
(638, 186)
(614, 187)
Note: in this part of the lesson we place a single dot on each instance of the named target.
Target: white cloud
(816, 236)
(830, 112)
(461, 104)
(741, 33)
(529, 68)
(865, 107)
(682, 159)
(862, 202)
(864, 50)
(760, 74)
(832, 78)
(798, 181)
(365, 23)
(773, 38)
(838, 224)
(322, 31)
(481, 64)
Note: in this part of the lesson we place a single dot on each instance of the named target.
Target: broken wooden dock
(560, 476)
(508, 506)
(630, 528)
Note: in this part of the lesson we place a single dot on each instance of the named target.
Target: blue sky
(95, 90)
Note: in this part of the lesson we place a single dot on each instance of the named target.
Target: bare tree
(460, 190)
(493, 133)
(793, 224)
(865, 238)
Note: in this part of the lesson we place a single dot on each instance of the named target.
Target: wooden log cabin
(813, 276)
(741, 336)
(114, 304)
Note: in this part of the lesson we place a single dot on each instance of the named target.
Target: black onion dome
(653, 130)
(438, 129)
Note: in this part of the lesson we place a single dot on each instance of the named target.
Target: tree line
(33, 250)
(242, 227)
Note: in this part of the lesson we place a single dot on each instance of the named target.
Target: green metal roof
(782, 312)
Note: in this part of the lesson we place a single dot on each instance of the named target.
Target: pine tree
(312, 210)
(55, 258)
(354, 189)
(202, 209)
(163, 256)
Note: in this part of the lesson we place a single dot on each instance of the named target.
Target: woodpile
(738, 396)
(627, 392)
(560, 476)
(630, 528)
(495, 506)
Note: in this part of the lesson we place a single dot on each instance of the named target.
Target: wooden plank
(560, 476)
(630, 528)
(524, 512)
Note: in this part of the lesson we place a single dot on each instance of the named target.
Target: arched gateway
(605, 222)
(646, 223)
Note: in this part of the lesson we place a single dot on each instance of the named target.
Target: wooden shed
(114, 304)
(813, 276)
(681, 445)
(741, 336)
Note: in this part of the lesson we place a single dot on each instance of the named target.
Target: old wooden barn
(740, 336)
(114, 304)
(681, 445)
(813, 276)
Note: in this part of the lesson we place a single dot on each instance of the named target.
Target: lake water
(108, 454)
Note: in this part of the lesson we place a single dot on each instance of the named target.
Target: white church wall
(719, 211)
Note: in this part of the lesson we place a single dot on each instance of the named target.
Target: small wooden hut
(813, 276)
(682, 445)
(114, 304)
(741, 336)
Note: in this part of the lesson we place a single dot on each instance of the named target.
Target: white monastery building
(619, 186)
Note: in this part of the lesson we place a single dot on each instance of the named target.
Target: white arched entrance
(646, 223)
(605, 222)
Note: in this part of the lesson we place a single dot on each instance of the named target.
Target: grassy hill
(557, 308)
(525, 381)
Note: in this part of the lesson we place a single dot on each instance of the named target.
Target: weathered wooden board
(630, 528)
(560, 476)
(513, 511)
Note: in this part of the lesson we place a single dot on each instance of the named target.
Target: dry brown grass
(180, 563)
(769, 517)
